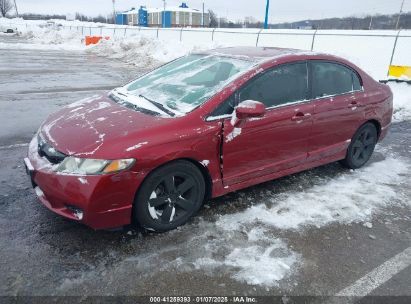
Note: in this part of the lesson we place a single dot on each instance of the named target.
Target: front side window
(188, 82)
(329, 79)
(281, 85)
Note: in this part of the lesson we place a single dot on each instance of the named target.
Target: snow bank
(143, 51)
(55, 39)
(402, 100)
(43, 38)
(136, 48)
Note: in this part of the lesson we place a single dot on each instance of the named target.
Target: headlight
(86, 166)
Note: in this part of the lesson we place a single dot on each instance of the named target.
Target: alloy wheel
(363, 146)
(172, 198)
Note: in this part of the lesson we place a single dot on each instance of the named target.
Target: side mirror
(249, 109)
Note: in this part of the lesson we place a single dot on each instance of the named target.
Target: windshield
(184, 84)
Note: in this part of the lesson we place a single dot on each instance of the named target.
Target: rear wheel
(169, 196)
(361, 147)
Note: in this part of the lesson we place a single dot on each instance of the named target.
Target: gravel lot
(44, 254)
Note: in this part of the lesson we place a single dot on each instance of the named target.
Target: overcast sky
(280, 10)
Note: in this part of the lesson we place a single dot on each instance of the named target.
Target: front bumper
(98, 201)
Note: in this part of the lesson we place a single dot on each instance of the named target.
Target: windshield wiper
(159, 105)
(122, 94)
(132, 106)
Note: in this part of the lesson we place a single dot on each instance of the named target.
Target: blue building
(121, 18)
(133, 17)
(142, 16)
(181, 16)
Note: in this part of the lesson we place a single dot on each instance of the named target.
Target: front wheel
(169, 196)
(361, 147)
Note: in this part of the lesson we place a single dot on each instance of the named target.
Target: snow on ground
(249, 246)
(402, 100)
(253, 251)
(259, 259)
(352, 197)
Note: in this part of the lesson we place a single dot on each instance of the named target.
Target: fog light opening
(77, 212)
(38, 191)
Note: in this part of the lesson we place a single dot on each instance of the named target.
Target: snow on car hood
(98, 127)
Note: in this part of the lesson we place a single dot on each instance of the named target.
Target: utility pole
(17, 11)
(399, 15)
(370, 23)
(203, 15)
(266, 14)
(114, 11)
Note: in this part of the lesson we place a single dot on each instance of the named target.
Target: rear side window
(356, 82)
(281, 85)
(332, 79)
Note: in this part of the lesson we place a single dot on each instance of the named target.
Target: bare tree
(213, 18)
(5, 7)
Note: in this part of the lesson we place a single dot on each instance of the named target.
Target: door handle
(300, 116)
(353, 104)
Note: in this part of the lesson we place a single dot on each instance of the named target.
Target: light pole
(203, 16)
(266, 14)
(114, 11)
(17, 11)
(399, 15)
(164, 14)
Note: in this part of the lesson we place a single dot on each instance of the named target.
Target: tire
(361, 147)
(169, 196)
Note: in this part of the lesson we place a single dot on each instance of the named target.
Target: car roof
(257, 53)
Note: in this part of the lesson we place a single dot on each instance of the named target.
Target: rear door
(278, 140)
(336, 91)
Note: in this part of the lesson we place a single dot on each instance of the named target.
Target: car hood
(100, 128)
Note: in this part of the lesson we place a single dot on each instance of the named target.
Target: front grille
(47, 151)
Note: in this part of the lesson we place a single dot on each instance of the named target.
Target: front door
(278, 140)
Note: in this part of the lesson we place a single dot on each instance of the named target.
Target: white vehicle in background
(7, 29)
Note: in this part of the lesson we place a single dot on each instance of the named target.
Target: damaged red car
(201, 126)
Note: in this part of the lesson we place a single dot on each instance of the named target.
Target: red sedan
(201, 126)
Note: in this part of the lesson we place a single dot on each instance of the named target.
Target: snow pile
(143, 51)
(402, 100)
(137, 49)
(44, 38)
(55, 38)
